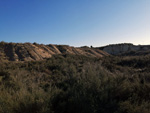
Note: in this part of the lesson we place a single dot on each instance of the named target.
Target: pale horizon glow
(75, 22)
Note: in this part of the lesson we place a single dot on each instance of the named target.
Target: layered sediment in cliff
(126, 49)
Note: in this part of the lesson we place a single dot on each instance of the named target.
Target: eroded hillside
(30, 52)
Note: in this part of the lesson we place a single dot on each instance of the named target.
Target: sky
(75, 22)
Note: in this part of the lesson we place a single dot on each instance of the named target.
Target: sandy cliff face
(29, 52)
(117, 49)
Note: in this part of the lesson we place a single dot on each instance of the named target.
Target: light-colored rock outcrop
(117, 49)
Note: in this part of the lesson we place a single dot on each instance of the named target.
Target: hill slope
(30, 52)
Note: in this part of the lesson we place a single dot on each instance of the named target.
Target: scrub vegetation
(76, 84)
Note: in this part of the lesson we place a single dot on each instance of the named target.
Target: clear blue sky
(75, 22)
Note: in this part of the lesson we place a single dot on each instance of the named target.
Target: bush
(76, 84)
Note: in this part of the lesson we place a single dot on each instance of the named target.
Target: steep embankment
(29, 52)
(126, 49)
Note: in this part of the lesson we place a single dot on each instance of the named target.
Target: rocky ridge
(31, 52)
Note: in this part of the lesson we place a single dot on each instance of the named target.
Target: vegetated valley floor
(76, 84)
